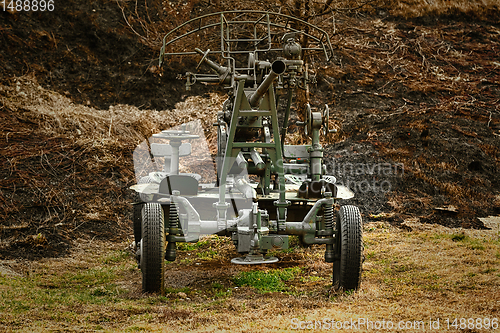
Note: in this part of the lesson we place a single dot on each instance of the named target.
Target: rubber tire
(347, 270)
(153, 248)
(137, 210)
(137, 218)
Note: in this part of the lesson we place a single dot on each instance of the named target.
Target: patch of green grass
(220, 291)
(185, 290)
(207, 255)
(204, 248)
(283, 251)
(270, 281)
(217, 285)
(186, 261)
(432, 286)
(136, 329)
(489, 270)
(497, 254)
(156, 300)
(96, 276)
(403, 268)
(385, 261)
(213, 241)
(367, 243)
(458, 237)
(387, 265)
(116, 256)
(432, 276)
(369, 254)
(373, 271)
(48, 292)
(192, 246)
(472, 243)
(293, 241)
(311, 278)
(103, 291)
(475, 244)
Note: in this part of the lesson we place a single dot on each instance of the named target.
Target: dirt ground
(416, 102)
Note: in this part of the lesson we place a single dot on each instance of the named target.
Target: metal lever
(203, 58)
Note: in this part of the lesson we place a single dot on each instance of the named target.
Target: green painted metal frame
(273, 148)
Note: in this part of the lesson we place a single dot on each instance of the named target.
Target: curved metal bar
(323, 39)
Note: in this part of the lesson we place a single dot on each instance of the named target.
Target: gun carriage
(265, 190)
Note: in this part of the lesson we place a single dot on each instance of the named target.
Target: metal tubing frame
(323, 40)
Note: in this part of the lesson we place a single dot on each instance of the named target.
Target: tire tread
(153, 248)
(351, 251)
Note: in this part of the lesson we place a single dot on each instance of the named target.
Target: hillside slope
(79, 91)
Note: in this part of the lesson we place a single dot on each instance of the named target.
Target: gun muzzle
(277, 68)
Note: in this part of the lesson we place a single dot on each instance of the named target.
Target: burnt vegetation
(413, 83)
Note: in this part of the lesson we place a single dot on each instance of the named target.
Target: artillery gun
(265, 190)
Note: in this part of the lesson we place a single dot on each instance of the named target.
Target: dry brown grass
(57, 116)
(431, 272)
(425, 79)
(67, 167)
(479, 9)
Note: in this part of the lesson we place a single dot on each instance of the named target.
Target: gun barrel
(277, 68)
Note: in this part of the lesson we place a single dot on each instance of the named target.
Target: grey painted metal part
(254, 260)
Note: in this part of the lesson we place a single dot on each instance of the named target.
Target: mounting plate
(252, 259)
